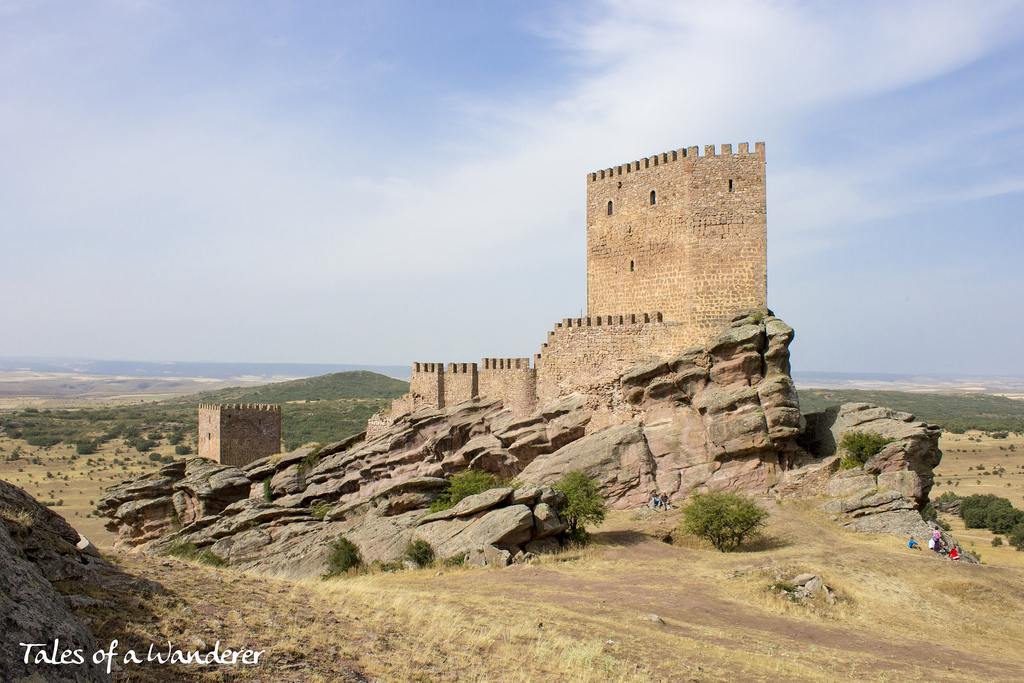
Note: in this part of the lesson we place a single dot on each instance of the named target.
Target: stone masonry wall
(461, 383)
(512, 380)
(378, 423)
(209, 431)
(426, 385)
(239, 434)
(686, 235)
(586, 353)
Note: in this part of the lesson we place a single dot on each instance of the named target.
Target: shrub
(154, 457)
(319, 508)
(584, 504)
(725, 519)
(268, 494)
(175, 437)
(454, 560)
(989, 511)
(344, 556)
(85, 447)
(997, 541)
(182, 449)
(419, 553)
(462, 485)
(859, 447)
(189, 551)
(1016, 537)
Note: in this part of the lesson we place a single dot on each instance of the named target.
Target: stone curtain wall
(512, 380)
(239, 434)
(378, 423)
(583, 354)
(698, 254)
(461, 383)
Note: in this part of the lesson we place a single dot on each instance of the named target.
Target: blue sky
(334, 182)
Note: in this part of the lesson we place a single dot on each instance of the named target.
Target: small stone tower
(238, 434)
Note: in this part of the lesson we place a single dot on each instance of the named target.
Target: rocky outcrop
(38, 549)
(905, 464)
(492, 527)
(888, 492)
(721, 417)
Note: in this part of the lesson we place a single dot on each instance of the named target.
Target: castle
(237, 434)
(676, 246)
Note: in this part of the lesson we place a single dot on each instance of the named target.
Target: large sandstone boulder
(906, 464)
(618, 458)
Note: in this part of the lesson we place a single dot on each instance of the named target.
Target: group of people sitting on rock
(660, 500)
(936, 544)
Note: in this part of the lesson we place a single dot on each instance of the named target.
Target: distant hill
(122, 368)
(954, 412)
(324, 409)
(338, 385)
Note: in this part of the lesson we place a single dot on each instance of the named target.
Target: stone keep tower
(680, 234)
(240, 433)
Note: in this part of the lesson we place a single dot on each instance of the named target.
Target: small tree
(584, 504)
(344, 556)
(725, 519)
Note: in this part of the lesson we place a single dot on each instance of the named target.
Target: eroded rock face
(254, 534)
(905, 465)
(720, 417)
(888, 492)
(37, 549)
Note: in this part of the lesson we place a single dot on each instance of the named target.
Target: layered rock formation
(38, 549)
(888, 492)
(724, 417)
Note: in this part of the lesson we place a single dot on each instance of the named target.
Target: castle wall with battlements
(680, 233)
(461, 383)
(584, 354)
(512, 380)
(237, 434)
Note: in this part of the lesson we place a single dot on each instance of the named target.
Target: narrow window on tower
(609, 207)
(730, 185)
(654, 198)
(632, 266)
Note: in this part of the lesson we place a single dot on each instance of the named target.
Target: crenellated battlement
(743, 149)
(609, 320)
(240, 406)
(506, 363)
(428, 367)
(462, 368)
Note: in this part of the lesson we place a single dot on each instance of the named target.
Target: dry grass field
(977, 463)
(583, 615)
(580, 615)
(73, 484)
